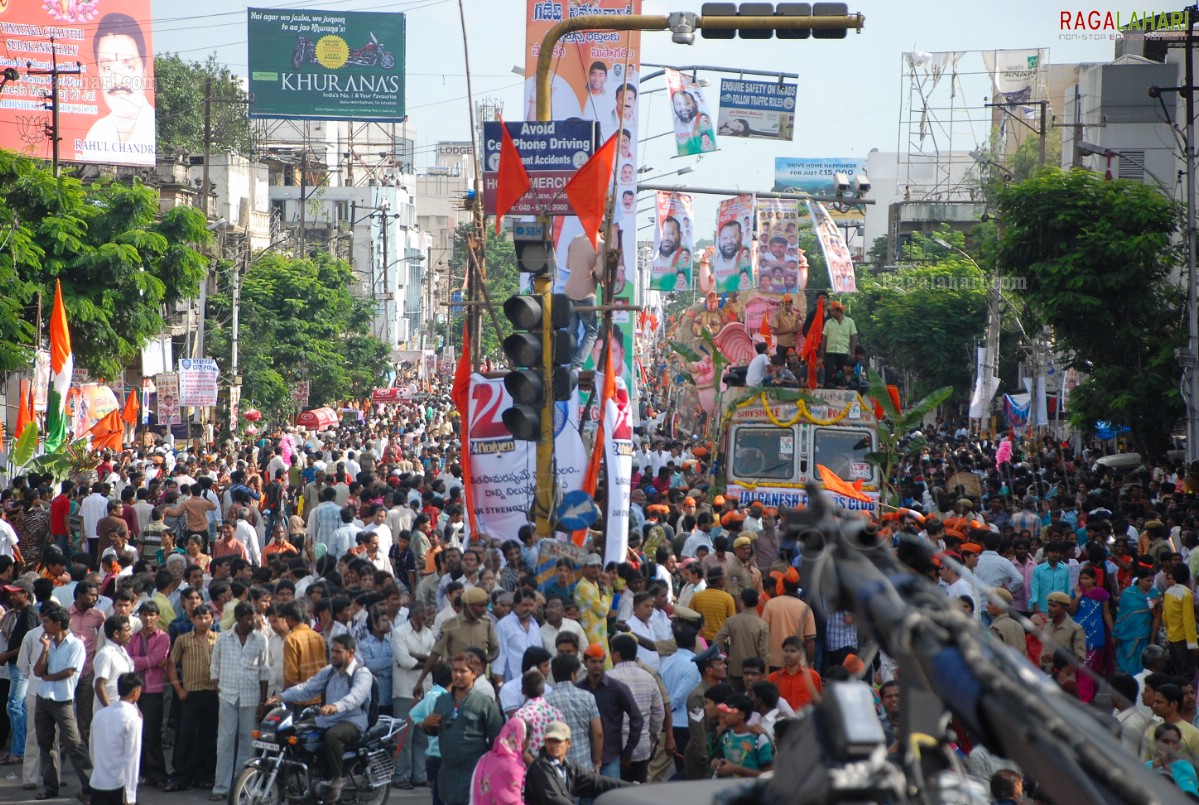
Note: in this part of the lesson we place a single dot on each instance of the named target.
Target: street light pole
(1192, 371)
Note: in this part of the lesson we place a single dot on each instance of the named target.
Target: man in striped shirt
(646, 694)
(199, 709)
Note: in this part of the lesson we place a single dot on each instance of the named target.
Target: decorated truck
(777, 441)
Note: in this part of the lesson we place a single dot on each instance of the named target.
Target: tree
(502, 282)
(179, 107)
(924, 318)
(298, 320)
(1096, 257)
(120, 264)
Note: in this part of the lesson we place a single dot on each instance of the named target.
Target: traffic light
(708, 11)
(526, 381)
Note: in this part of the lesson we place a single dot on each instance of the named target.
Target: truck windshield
(844, 452)
(763, 453)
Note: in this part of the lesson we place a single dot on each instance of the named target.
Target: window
(843, 452)
(341, 210)
(764, 453)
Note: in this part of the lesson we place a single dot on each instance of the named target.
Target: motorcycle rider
(346, 685)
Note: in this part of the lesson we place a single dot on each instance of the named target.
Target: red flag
(132, 407)
(765, 330)
(24, 412)
(460, 394)
(108, 432)
(588, 188)
(512, 180)
(811, 344)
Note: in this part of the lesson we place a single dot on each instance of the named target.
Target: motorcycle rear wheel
(377, 796)
(250, 788)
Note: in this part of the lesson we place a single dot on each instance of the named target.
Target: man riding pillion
(346, 685)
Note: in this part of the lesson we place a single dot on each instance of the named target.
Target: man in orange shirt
(786, 615)
(797, 683)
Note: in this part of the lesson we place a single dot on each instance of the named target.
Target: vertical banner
(569, 451)
(782, 266)
(836, 253)
(733, 263)
(168, 398)
(41, 380)
(106, 105)
(693, 129)
(673, 243)
(757, 109)
(501, 468)
(595, 77)
(234, 407)
(618, 455)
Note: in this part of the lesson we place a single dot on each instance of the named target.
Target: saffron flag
(460, 394)
(132, 408)
(591, 478)
(765, 331)
(24, 415)
(512, 180)
(62, 365)
(834, 483)
(588, 189)
(811, 344)
(108, 432)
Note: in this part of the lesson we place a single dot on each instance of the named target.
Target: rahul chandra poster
(693, 129)
(782, 265)
(105, 55)
(594, 76)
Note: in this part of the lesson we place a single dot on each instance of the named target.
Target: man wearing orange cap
(787, 615)
(786, 323)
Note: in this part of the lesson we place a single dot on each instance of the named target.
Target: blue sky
(849, 94)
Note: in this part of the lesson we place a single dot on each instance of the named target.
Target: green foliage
(298, 321)
(1097, 258)
(70, 460)
(896, 425)
(179, 107)
(502, 282)
(118, 262)
(923, 318)
(26, 444)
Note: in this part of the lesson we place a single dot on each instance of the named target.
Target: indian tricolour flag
(62, 365)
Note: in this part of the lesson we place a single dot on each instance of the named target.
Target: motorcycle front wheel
(251, 788)
(376, 796)
(387, 61)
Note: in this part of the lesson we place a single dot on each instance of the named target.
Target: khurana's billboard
(326, 65)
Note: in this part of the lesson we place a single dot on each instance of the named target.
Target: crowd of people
(198, 589)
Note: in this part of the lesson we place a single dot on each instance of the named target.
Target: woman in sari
(499, 776)
(1140, 615)
(1091, 608)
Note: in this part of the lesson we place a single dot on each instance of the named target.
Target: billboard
(673, 243)
(693, 130)
(326, 65)
(764, 109)
(595, 78)
(105, 86)
(813, 175)
(733, 262)
(782, 266)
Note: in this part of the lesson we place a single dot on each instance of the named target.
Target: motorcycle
(287, 747)
(369, 55)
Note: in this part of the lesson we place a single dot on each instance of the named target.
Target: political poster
(782, 265)
(93, 402)
(234, 406)
(501, 468)
(41, 380)
(761, 109)
(326, 65)
(618, 464)
(168, 398)
(673, 243)
(836, 254)
(693, 129)
(733, 262)
(299, 393)
(198, 382)
(105, 86)
(595, 77)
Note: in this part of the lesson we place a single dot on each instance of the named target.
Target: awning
(318, 419)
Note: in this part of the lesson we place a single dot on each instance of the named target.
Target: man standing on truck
(840, 338)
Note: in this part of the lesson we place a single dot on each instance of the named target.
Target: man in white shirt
(111, 661)
(755, 375)
(377, 525)
(248, 536)
(93, 509)
(116, 746)
(8, 536)
(516, 632)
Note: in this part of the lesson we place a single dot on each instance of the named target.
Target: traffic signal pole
(683, 25)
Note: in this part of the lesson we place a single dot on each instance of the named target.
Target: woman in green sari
(1138, 621)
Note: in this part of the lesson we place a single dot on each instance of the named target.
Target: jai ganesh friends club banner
(733, 263)
(782, 266)
(673, 243)
(693, 130)
(106, 88)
